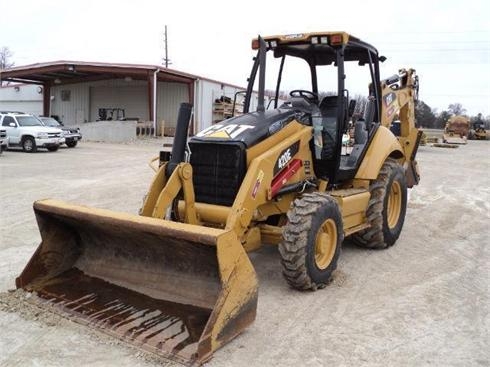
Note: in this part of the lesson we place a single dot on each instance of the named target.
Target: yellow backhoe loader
(176, 279)
(478, 131)
(456, 130)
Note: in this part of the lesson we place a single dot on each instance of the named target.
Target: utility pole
(166, 60)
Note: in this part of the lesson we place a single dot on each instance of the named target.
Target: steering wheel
(306, 94)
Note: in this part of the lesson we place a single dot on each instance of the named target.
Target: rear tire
(386, 209)
(312, 239)
(29, 145)
(71, 144)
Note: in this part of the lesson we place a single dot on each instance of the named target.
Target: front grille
(218, 171)
(54, 135)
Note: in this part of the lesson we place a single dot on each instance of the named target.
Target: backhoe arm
(399, 94)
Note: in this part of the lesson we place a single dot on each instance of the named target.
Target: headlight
(42, 135)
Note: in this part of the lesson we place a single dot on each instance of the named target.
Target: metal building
(77, 92)
(22, 97)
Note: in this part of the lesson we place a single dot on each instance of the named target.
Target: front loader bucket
(178, 290)
(455, 139)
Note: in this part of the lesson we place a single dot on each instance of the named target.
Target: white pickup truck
(28, 132)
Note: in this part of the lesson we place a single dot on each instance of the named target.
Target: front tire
(29, 145)
(312, 239)
(71, 144)
(386, 209)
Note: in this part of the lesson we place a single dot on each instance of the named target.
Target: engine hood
(248, 129)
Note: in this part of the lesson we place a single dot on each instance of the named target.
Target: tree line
(427, 117)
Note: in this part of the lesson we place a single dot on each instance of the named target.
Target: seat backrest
(328, 106)
(369, 113)
(360, 132)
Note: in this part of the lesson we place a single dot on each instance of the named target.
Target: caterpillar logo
(230, 131)
(285, 157)
(389, 98)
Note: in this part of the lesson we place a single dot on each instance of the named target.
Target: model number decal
(285, 157)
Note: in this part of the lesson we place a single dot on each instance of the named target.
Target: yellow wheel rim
(325, 243)
(394, 204)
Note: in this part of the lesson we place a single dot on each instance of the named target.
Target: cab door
(13, 131)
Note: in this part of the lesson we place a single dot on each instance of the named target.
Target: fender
(383, 145)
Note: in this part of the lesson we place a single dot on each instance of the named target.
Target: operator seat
(325, 166)
(362, 134)
(328, 108)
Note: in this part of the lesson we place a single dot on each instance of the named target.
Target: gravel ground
(423, 302)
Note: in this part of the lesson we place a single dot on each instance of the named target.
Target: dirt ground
(423, 302)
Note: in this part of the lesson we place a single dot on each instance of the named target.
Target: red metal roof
(69, 72)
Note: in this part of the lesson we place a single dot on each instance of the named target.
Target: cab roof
(319, 48)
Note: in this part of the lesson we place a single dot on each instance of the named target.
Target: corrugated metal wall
(133, 99)
(207, 92)
(170, 96)
(78, 103)
(34, 108)
(87, 98)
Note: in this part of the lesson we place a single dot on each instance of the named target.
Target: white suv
(29, 133)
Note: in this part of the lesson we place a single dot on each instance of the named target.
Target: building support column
(190, 89)
(46, 99)
(150, 96)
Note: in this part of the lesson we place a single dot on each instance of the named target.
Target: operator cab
(326, 105)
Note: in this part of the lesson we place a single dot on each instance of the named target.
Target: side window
(7, 120)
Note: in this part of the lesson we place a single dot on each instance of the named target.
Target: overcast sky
(447, 42)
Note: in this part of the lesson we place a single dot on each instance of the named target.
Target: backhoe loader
(456, 130)
(176, 279)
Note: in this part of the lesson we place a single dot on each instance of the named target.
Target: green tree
(424, 115)
(442, 118)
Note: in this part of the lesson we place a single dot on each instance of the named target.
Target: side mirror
(352, 107)
(12, 124)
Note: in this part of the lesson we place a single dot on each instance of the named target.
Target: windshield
(49, 121)
(28, 121)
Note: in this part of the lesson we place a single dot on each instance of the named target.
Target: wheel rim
(28, 144)
(394, 204)
(325, 243)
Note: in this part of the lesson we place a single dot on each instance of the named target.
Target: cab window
(7, 120)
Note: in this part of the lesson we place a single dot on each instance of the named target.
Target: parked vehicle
(456, 130)
(28, 132)
(72, 135)
(4, 140)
